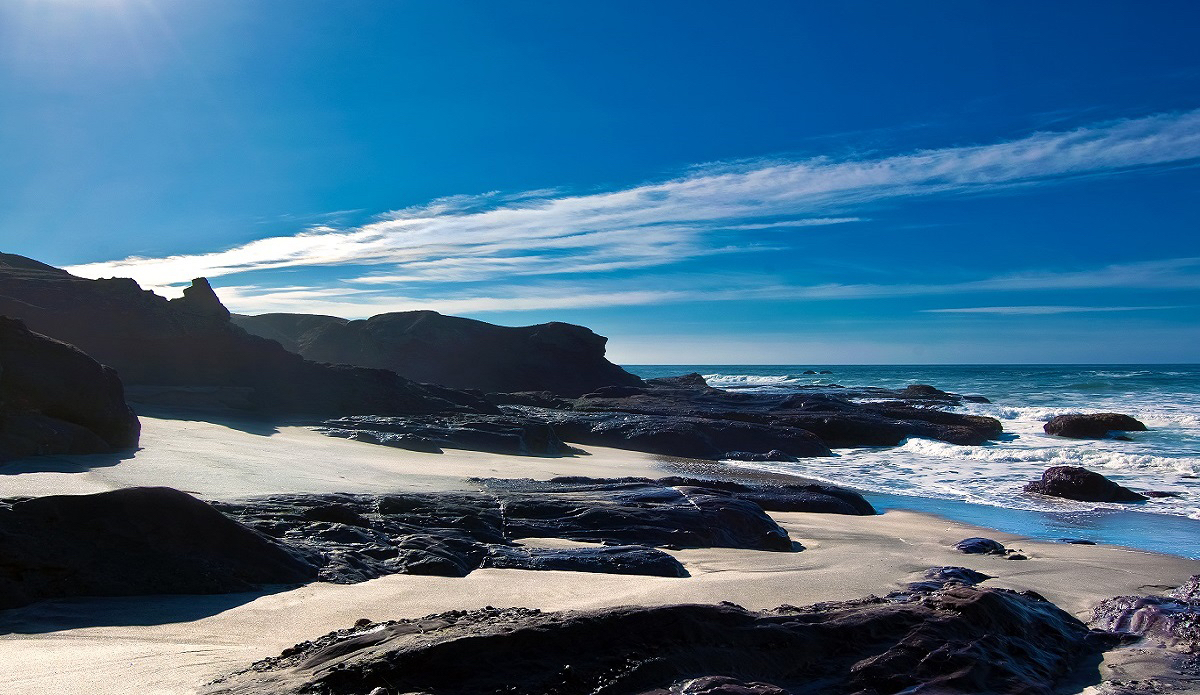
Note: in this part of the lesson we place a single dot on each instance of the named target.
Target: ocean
(982, 484)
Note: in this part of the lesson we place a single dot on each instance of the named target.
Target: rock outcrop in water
(427, 347)
(1092, 426)
(189, 342)
(131, 542)
(683, 416)
(955, 640)
(1075, 483)
(54, 399)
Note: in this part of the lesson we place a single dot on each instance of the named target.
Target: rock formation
(361, 537)
(682, 416)
(1172, 619)
(428, 347)
(54, 399)
(1092, 426)
(1075, 483)
(190, 342)
(955, 640)
(131, 542)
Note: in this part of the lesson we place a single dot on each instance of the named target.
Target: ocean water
(982, 484)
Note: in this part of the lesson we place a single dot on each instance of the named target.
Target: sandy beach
(175, 644)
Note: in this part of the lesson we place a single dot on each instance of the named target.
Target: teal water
(982, 484)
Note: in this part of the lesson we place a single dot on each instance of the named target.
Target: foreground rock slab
(955, 640)
(360, 537)
(54, 399)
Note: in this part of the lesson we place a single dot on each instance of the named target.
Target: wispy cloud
(1042, 310)
(714, 209)
(365, 300)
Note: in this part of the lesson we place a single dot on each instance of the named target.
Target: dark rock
(980, 546)
(614, 559)
(806, 372)
(718, 685)
(1075, 483)
(428, 347)
(825, 371)
(926, 392)
(637, 513)
(1076, 541)
(835, 418)
(493, 433)
(1160, 493)
(789, 497)
(189, 342)
(1092, 426)
(1173, 619)
(200, 300)
(131, 542)
(975, 398)
(940, 577)
(957, 640)
(537, 399)
(689, 380)
(690, 437)
(360, 537)
(54, 399)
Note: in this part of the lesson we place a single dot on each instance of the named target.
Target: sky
(702, 182)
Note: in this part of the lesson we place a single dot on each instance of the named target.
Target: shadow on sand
(123, 611)
(74, 463)
(242, 422)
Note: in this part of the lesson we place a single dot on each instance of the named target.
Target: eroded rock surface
(1172, 619)
(360, 537)
(956, 640)
(54, 399)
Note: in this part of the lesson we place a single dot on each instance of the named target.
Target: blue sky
(779, 182)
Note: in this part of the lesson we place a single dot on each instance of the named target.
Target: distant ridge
(190, 342)
(428, 347)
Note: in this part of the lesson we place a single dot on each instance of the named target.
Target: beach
(175, 644)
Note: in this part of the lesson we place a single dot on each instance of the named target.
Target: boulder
(1091, 426)
(1075, 483)
(980, 546)
(148, 540)
(54, 399)
(427, 347)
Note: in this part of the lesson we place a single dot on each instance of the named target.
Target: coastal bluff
(428, 347)
(185, 351)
